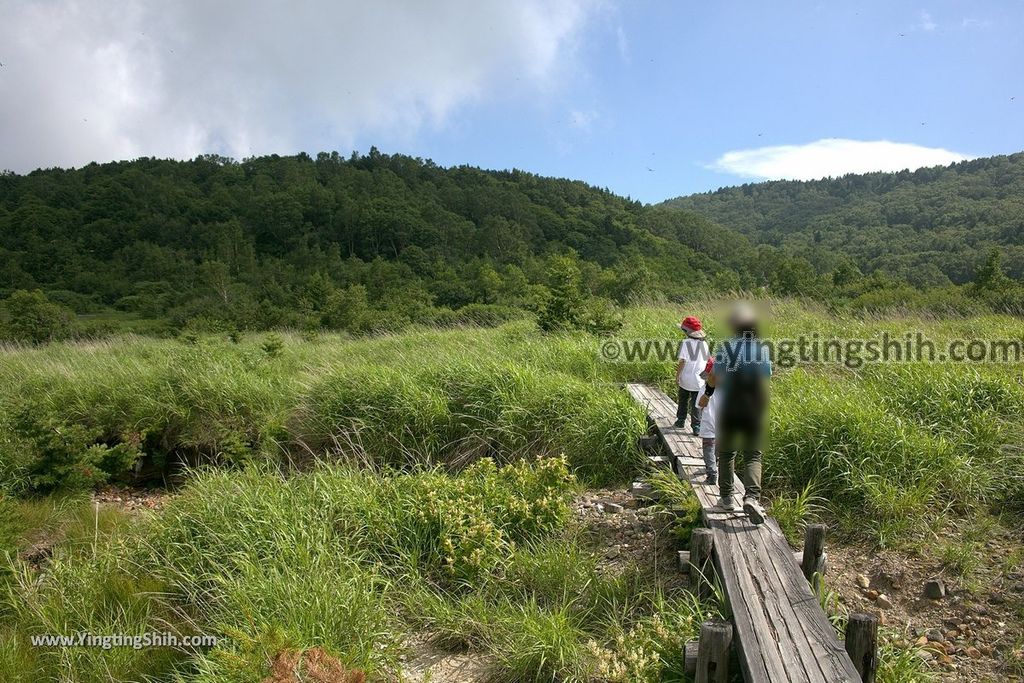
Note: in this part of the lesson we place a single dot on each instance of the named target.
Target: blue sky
(668, 88)
(649, 99)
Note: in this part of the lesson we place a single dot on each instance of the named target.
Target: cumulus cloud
(831, 157)
(87, 80)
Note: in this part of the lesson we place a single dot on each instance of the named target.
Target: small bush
(272, 345)
(601, 316)
(31, 318)
(460, 528)
(68, 456)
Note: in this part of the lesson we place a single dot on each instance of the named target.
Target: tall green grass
(898, 444)
(419, 398)
(352, 561)
(419, 507)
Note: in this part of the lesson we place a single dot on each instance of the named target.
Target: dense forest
(929, 227)
(379, 241)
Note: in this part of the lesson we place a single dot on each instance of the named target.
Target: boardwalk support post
(690, 657)
(813, 561)
(713, 652)
(651, 444)
(702, 567)
(862, 644)
(684, 561)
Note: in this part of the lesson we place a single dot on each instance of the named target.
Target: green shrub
(32, 318)
(601, 316)
(272, 345)
(68, 456)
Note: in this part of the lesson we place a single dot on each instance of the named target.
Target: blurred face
(744, 317)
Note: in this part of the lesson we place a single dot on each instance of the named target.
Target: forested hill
(380, 241)
(928, 227)
(365, 241)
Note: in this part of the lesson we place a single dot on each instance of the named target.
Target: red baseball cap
(691, 325)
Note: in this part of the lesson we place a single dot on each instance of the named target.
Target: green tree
(31, 317)
(998, 291)
(490, 284)
(990, 277)
(347, 309)
(565, 307)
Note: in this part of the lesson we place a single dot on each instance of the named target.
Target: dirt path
(425, 662)
(632, 536)
(132, 499)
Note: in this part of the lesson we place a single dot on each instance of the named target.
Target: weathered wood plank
(781, 632)
(782, 611)
(760, 658)
(809, 618)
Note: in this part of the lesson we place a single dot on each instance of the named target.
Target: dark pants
(746, 436)
(688, 403)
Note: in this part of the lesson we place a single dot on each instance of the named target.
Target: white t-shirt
(707, 416)
(695, 352)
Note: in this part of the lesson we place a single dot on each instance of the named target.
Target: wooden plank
(781, 632)
(783, 612)
(807, 612)
(760, 658)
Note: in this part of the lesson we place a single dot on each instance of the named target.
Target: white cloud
(831, 157)
(91, 80)
(926, 23)
(622, 42)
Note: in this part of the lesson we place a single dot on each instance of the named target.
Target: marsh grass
(677, 498)
(344, 558)
(423, 397)
(354, 493)
(793, 512)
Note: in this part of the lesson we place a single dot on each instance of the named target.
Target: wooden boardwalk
(780, 630)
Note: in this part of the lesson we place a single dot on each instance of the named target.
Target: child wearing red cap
(693, 355)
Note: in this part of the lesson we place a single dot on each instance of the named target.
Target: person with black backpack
(742, 369)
